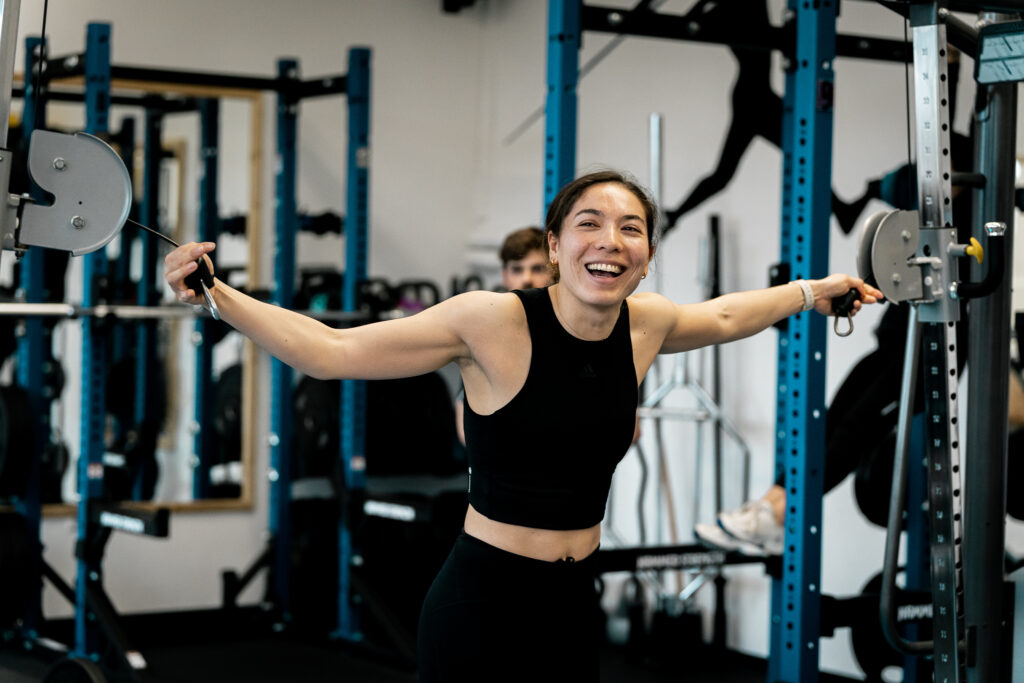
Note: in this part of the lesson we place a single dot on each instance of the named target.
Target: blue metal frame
(143, 334)
(807, 147)
(800, 422)
(34, 351)
(353, 392)
(122, 269)
(560, 107)
(800, 440)
(90, 457)
(202, 440)
(124, 335)
(281, 408)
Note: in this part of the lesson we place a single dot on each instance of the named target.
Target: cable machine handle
(996, 266)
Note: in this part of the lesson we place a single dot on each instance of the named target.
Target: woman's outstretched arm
(395, 348)
(742, 314)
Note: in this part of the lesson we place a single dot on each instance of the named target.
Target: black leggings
(492, 615)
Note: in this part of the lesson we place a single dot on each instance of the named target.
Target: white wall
(446, 90)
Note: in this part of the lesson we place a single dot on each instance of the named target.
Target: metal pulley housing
(920, 265)
(888, 244)
(91, 191)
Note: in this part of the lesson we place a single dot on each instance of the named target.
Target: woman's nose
(609, 238)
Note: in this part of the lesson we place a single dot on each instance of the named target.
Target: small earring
(643, 276)
(554, 260)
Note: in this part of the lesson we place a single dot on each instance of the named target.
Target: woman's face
(603, 249)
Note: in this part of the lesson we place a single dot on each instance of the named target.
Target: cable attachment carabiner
(835, 326)
(842, 307)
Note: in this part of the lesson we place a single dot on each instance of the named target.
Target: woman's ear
(552, 247)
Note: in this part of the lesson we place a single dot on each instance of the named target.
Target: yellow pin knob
(976, 250)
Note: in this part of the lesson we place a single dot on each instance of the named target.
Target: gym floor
(265, 660)
(256, 659)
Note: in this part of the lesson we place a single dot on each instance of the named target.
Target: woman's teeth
(604, 268)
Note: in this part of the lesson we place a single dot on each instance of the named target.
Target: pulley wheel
(867, 239)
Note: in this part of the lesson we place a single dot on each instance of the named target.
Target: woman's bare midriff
(541, 544)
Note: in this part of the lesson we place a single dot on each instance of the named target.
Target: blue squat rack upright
(800, 414)
(277, 555)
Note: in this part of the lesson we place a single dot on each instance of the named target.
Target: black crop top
(545, 459)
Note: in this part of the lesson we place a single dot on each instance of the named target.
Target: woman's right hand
(181, 263)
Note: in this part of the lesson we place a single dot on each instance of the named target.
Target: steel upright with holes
(93, 378)
(800, 419)
(35, 348)
(281, 409)
(202, 408)
(353, 401)
(560, 108)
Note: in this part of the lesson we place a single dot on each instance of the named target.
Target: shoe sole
(758, 549)
(716, 537)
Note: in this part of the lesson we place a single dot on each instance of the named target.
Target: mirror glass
(152, 445)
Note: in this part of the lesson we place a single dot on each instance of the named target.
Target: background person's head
(524, 262)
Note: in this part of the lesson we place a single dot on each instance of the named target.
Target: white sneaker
(714, 536)
(754, 523)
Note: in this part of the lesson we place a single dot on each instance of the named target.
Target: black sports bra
(545, 459)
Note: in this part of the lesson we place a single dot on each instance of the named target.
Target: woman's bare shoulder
(651, 305)
(481, 302)
(482, 312)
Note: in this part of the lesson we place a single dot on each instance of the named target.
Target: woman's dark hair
(563, 202)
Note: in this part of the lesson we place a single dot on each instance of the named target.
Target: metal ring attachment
(835, 326)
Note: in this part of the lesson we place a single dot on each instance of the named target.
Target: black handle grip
(200, 275)
(994, 277)
(842, 306)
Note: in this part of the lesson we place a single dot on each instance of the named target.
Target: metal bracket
(9, 211)
(941, 276)
(91, 188)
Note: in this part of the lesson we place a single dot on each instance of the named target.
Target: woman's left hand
(838, 285)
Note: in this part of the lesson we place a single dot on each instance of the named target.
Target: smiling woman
(564, 202)
(551, 378)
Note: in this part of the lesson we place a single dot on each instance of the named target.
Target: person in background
(524, 260)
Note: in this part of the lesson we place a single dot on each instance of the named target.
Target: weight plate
(15, 567)
(16, 426)
(75, 670)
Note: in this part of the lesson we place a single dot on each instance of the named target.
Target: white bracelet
(808, 293)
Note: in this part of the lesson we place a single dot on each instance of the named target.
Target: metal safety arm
(890, 567)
